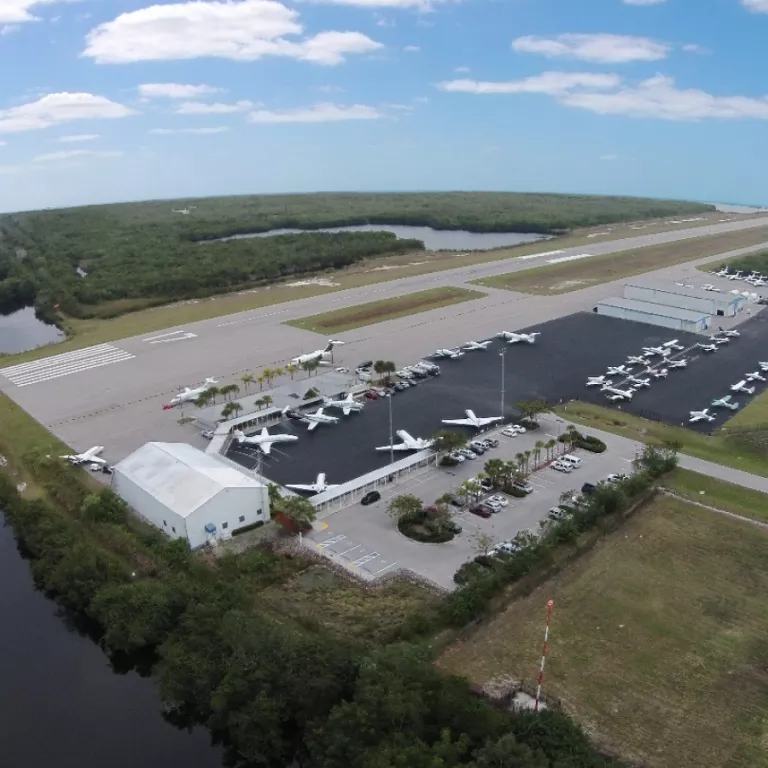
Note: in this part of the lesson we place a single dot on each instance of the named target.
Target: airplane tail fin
(285, 410)
(239, 436)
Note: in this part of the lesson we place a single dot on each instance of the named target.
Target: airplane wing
(308, 488)
(489, 420)
(740, 384)
(312, 426)
(266, 448)
(404, 436)
(460, 422)
(319, 412)
(346, 410)
(398, 447)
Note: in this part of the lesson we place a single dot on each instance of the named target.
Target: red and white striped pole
(550, 605)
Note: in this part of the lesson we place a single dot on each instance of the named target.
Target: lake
(21, 331)
(62, 704)
(433, 239)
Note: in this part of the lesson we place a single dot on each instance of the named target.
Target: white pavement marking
(364, 559)
(332, 540)
(65, 364)
(385, 568)
(164, 338)
(341, 554)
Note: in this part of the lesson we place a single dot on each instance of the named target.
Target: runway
(113, 394)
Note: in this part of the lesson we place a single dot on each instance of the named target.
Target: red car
(481, 511)
(371, 395)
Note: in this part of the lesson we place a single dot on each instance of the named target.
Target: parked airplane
(263, 440)
(682, 363)
(347, 405)
(741, 386)
(673, 344)
(715, 339)
(618, 394)
(707, 347)
(635, 359)
(472, 420)
(701, 416)
(409, 443)
(319, 355)
(725, 402)
(513, 338)
(651, 351)
(313, 419)
(596, 381)
(470, 345)
(660, 374)
(187, 394)
(618, 370)
(637, 382)
(728, 334)
(452, 353)
(754, 376)
(317, 487)
(722, 272)
(91, 456)
(763, 366)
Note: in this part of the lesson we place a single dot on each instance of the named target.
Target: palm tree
(379, 368)
(291, 369)
(388, 368)
(247, 379)
(213, 393)
(268, 374)
(267, 400)
(259, 403)
(226, 411)
(236, 409)
(520, 459)
(550, 445)
(537, 451)
(278, 372)
(495, 469)
(260, 378)
(527, 455)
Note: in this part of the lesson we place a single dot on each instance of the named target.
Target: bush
(591, 444)
(247, 528)
(448, 461)
(432, 534)
(529, 424)
(515, 492)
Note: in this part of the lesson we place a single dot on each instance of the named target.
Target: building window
(173, 529)
(242, 518)
(225, 525)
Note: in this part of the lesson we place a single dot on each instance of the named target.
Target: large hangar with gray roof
(654, 314)
(188, 493)
(684, 297)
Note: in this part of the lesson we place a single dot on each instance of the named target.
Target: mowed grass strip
(718, 448)
(719, 494)
(386, 309)
(582, 273)
(658, 642)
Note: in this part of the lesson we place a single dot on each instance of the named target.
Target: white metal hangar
(190, 494)
(654, 314)
(684, 297)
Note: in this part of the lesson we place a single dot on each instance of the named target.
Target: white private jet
(618, 370)
(722, 272)
(729, 334)
(514, 338)
(317, 487)
(719, 340)
(618, 394)
(707, 347)
(763, 366)
(660, 374)
(637, 382)
(91, 456)
(754, 376)
(704, 415)
(710, 287)
(741, 386)
(319, 355)
(635, 360)
(263, 440)
(313, 419)
(187, 394)
(596, 381)
(347, 405)
(471, 345)
(651, 351)
(409, 443)
(452, 353)
(673, 344)
(725, 402)
(472, 420)
(682, 363)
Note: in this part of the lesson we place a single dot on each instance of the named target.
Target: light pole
(391, 434)
(502, 355)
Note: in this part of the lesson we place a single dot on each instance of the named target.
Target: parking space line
(364, 559)
(329, 542)
(385, 568)
(341, 554)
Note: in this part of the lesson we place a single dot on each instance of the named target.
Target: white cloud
(9, 29)
(20, 11)
(605, 49)
(412, 49)
(609, 157)
(78, 137)
(319, 113)
(658, 98)
(57, 108)
(383, 21)
(756, 6)
(422, 5)
(643, 2)
(461, 70)
(330, 89)
(421, 99)
(200, 108)
(175, 91)
(188, 131)
(552, 83)
(70, 153)
(244, 31)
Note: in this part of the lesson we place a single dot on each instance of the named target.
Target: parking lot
(366, 541)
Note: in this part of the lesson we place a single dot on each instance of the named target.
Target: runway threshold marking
(164, 338)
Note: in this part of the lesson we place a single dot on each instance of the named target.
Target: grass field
(717, 448)
(658, 643)
(574, 275)
(721, 495)
(387, 309)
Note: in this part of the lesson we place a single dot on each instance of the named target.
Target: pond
(433, 239)
(63, 704)
(22, 331)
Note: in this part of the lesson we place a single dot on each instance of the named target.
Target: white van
(569, 458)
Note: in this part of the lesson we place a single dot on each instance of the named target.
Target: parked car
(493, 505)
(481, 511)
(341, 370)
(107, 470)
(371, 395)
(523, 486)
(562, 466)
(454, 500)
(569, 458)
(401, 386)
(490, 442)
(207, 434)
(370, 498)
(466, 453)
(558, 513)
(457, 456)
(486, 484)
(616, 477)
(478, 448)
(453, 526)
(365, 365)
(588, 488)
(498, 499)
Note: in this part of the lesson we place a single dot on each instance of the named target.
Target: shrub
(515, 492)
(591, 444)
(529, 424)
(448, 461)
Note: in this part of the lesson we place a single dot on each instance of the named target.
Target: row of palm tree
(525, 462)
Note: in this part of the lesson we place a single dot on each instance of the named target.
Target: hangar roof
(180, 476)
(650, 308)
(669, 287)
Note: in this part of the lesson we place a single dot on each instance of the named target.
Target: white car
(562, 466)
(615, 478)
(466, 453)
(513, 430)
(456, 456)
(497, 499)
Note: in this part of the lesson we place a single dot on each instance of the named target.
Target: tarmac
(113, 394)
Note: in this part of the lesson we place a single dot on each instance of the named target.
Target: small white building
(188, 493)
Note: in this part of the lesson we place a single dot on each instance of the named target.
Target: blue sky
(105, 101)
